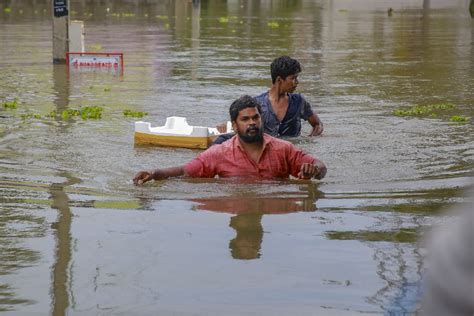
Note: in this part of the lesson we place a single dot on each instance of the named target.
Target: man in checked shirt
(248, 154)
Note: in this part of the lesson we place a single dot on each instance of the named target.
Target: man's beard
(257, 137)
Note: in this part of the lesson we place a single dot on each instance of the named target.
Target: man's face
(248, 125)
(289, 84)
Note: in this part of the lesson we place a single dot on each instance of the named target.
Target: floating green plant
(88, 112)
(107, 89)
(67, 114)
(460, 119)
(273, 25)
(402, 235)
(223, 19)
(131, 113)
(11, 104)
(424, 110)
(162, 17)
(30, 115)
(95, 47)
(7, 10)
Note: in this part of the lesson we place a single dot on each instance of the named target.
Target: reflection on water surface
(78, 237)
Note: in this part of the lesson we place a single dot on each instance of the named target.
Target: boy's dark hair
(241, 103)
(283, 67)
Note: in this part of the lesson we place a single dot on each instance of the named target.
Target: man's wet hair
(241, 103)
(283, 67)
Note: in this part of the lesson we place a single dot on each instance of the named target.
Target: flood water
(76, 237)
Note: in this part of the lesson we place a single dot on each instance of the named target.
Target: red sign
(110, 61)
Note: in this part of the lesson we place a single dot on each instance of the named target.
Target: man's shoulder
(277, 142)
(261, 97)
(297, 97)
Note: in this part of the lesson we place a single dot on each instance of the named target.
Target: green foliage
(460, 119)
(30, 115)
(7, 10)
(131, 113)
(424, 110)
(402, 235)
(273, 25)
(223, 19)
(11, 104)
(88, 112)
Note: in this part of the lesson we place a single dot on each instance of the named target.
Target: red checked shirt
(279, 159)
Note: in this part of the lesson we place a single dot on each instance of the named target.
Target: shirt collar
(267, 139)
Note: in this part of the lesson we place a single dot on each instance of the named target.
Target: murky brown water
(77, 237)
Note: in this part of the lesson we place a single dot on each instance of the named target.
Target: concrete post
(76, 37)
(60, 31)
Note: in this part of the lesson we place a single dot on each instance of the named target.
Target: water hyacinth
(130, 113)
(88, 112)
(30, 115)
(460, 119)
(273, 25)
(424, 110)
(11, 104)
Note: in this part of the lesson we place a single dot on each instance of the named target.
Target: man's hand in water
(308, 171)
(158, 174)
(142, 177)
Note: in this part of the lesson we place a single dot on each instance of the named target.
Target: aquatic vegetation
(131, 113)
(67, 114)
(88, 112)
(402, 235)
(167, 26)
(343, 10)
(273, 25)
(95, 47)
(7, 10)
(162, 17)
(53, 113)
(11, 104)
(30, 115)
(460, 119)
(91, 112)
(424, 110)
(223, 19)
(107, 89)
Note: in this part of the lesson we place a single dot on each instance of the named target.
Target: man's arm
(316, 124)
(158, 174)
